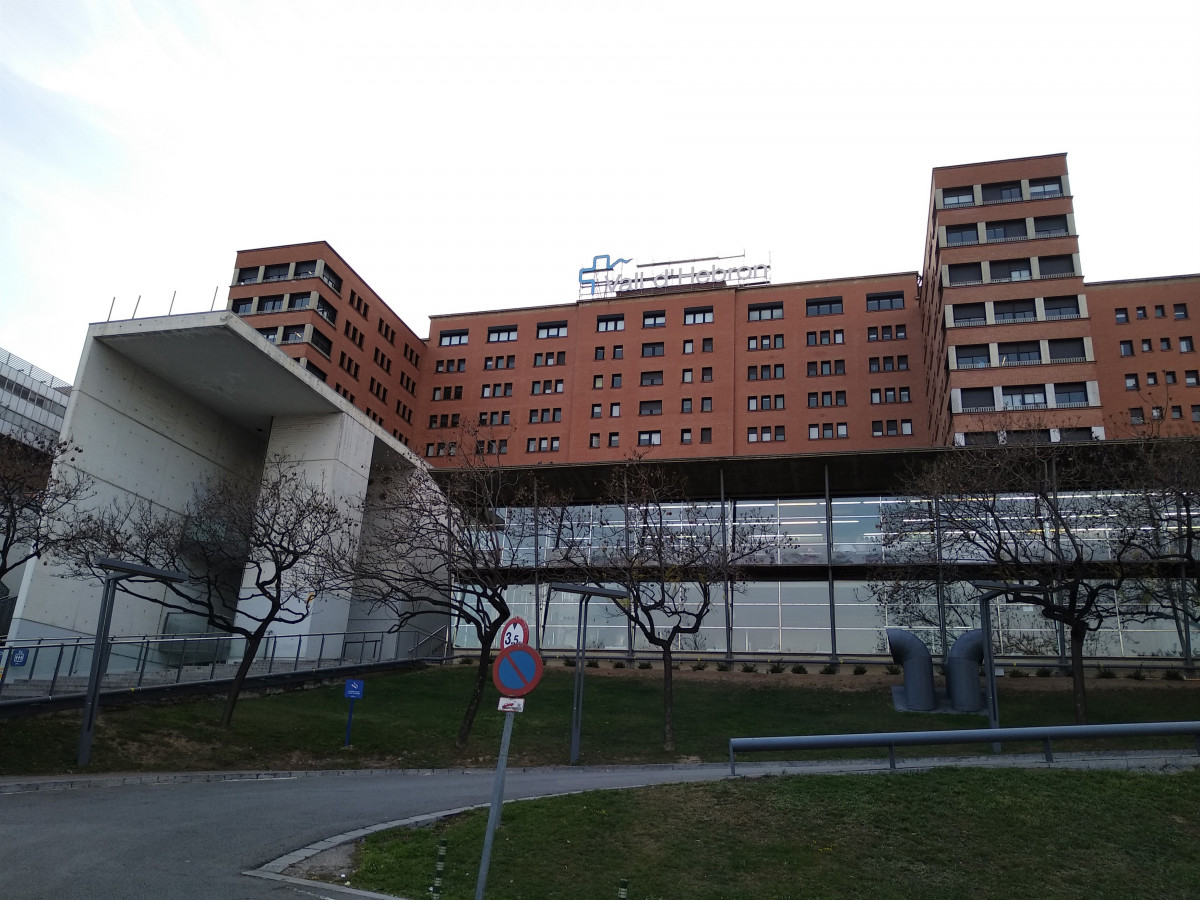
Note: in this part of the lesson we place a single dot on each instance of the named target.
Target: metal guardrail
(45, 668)
(894, 739)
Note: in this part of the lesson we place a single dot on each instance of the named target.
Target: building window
(452, 338)
(594, 440)
(322, 343)
(1191, 378)
(1137, 416)
(1011, 270)
(599, 354)
(1122, 314)
(1186, 345)
(610, 323)
(959, 196)
(706, 345)
(706, 373)
(650, 408)
(760, 312)
(698, 315)
(271, 334)
(1181, 311)
(501, 334)
(614, 410)
(1040, 188)
(243, 307)
(706, 435)
(685, 435)
(597, 382)
(1176, 412)
(1131, 381)
(300, 301)
(551, 330)
(1056, 266)
(615, 380)
(1164, 343)
(685, 405)
(655, 319)
(618, 351)
(1002, 192)
(823, 306)
(1127, 348)
(877, 302)
(649, 438)
(687, 376)
(959, 235)
(706, 404)
(657, 349)
(965, 273)
(1008, 230)
(597, 410)
(688, 347)
(651, 378)
(1147, 346)
(614, 439)
(1169, 375)
(270, 304)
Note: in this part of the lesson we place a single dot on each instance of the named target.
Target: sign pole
(349, 722)
(580, 662)
(494, 814)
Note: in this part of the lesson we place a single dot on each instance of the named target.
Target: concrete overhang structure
(164, 404)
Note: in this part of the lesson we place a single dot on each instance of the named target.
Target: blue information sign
(354, 688)
(17, 657)
(517, 670)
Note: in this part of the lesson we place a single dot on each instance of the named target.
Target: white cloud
(471, 155)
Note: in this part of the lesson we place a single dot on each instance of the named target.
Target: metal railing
(894, 739)
(54, 668)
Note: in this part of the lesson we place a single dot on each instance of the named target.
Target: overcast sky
(471, 155)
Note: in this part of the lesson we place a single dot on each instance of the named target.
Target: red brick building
(998, 338)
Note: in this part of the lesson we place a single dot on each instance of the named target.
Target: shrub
(645, 664)
(722, 667)
(892, 670)
(464, 660)
(749, 667)
(776, 667)
(699, 665)
(1014, 672)
(593, 663)
(618, 663)
(799, 669)
(1137, 674)
(1044, 672)
(1173, 675)
(1105, 672)
(830, 669)
(860, 670)
(569, 662)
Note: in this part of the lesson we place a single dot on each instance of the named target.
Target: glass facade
(809, 590)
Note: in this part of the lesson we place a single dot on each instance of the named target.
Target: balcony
(979, 409)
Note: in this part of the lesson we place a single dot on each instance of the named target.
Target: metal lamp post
(992, 590)
(586, 592)
(116, 570)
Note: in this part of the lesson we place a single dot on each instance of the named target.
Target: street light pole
(586, 592)
(116, 570)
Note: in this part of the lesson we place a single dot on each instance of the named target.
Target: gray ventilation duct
(910, 652)
(962, 672)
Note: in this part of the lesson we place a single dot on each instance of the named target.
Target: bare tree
(451, 546)
(256, 553)
(674, 556)
(40, 490)
(1154, 509)
(1002, 513)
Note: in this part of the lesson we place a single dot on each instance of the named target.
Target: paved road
(194, 839)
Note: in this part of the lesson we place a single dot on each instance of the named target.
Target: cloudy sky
(471, 155)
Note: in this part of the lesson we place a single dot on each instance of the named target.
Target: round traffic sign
(516, 631)
(517, 670)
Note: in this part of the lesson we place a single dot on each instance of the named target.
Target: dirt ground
(876, 676)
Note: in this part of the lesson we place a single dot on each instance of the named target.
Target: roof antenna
(110, 309)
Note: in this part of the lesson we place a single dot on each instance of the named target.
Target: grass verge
(941, 834)
(409, 719)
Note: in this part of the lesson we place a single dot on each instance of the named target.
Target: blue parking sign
(354, 688)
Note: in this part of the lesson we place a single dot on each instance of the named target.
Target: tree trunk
(1078, 633)
(668, 700)
(481, 677)
(235, 688)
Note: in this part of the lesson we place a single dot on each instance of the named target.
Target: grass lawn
(941, 834)
(409, 719)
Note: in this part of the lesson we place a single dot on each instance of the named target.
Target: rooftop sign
(607, 277)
